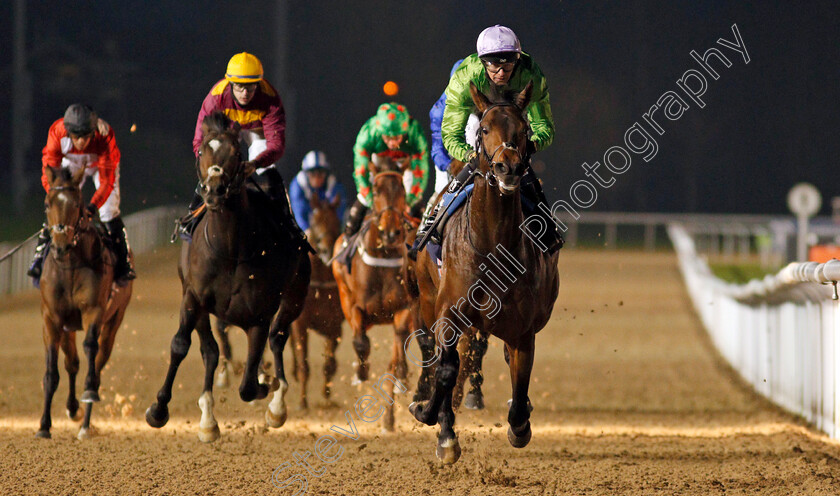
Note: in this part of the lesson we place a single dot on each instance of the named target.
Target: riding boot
(41, 249)
(185, 226)
(123, 269)
(532, 192)
(355, 217)
(271, 183)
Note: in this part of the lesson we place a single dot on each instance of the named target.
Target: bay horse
(242, 270)
(373, 291)
(322, 309)
(466, 296)
(77, 293)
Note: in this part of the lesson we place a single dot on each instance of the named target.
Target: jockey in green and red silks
(392, 129)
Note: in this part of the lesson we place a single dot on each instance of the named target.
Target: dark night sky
(766, 124)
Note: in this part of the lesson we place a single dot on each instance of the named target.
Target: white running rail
(146, 230)
(782, 333)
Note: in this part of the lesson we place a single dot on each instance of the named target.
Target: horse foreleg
(71, 364)
(251, 388)
(361, 343)
(52, 338)
(521, 363)
(426, 342)
(474, 400)
(402, 326)
(208, 428)
(157, 415)
(300, 353)
(227, 369)
(93, 323)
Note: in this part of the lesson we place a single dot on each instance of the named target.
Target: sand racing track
(629, 398)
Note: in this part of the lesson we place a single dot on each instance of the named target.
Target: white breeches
(111, 208)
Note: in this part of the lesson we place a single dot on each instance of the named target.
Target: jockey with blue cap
(315, 178)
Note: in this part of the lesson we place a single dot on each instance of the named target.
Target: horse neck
(494, 218)
(227, 225)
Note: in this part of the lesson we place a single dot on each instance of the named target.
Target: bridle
(77, 227)
(377, 214)
(233, 181)
(490, 175)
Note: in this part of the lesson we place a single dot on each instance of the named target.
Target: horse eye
(484, 130)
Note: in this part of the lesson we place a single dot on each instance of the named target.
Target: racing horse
(372, 289)
(322, 309)
(240, 268)
(493, 279)
(77, 292)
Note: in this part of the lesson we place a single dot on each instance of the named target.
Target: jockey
(81, 139)
(391, 129)
(315, 177)
(499, 65)
(248, 99)
(440, 157)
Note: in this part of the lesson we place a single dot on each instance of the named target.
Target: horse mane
(216, 123)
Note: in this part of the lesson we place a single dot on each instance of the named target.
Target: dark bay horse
(322, 309)
(374, 292)
(493, 280)
(77, 292)
(239, 268)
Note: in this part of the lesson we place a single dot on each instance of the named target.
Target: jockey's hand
(249, 167)
(103, 127)
(92, 210)
(530, 148)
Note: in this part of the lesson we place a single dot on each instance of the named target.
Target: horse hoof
(419, 410)
(89, 396)
(520, 441)
(75, 417)
(43, 434)
(356, 381)
(83, 434)
(208, 435)
(275, 421)
(474, 401)
(156, 416)
(448, 451)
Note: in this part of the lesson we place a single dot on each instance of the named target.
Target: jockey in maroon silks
(246, 98)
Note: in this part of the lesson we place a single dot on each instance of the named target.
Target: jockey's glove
(92, 210)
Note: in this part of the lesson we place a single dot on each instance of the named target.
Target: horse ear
(314, 201)
(77, 176)
(481, 101)
(375, 163)
(405, 163)
(335, 202)
(524, 97)
(52, 173)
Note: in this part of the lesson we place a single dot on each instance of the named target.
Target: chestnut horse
(493, 280)
(239, 268)
(322, 310)
(77, 292)
(374, 292)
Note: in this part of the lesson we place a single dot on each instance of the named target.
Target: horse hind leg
(474, 400)
(426, 343)
(300, 352)
(252, 387)
(227, 367)
(71, 364)
(330, 364)
(465, 368)
(208, 428)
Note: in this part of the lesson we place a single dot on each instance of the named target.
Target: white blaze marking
(215, 144)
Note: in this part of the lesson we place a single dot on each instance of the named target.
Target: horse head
(64, 207)
(324, 227)
(502, 138)
(389, 204)
(221, 171)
